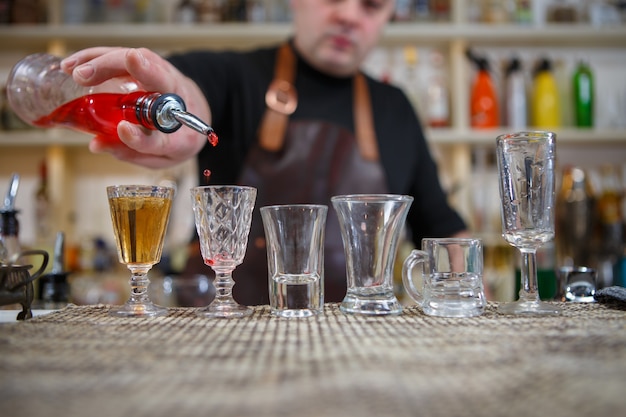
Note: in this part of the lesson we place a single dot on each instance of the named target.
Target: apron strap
(281, 100)
(363, 119)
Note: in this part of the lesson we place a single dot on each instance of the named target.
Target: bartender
(299, 121)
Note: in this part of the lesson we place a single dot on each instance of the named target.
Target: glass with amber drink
(139, 214)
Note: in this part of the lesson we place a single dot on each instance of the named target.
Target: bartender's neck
(326, 68)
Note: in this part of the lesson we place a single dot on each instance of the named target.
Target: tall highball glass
(527, 190)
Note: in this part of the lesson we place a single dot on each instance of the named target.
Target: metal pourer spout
(168, 113)
(192, 122)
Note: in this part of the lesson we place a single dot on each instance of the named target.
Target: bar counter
(78, 361)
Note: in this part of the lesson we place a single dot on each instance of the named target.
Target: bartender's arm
(148, 148)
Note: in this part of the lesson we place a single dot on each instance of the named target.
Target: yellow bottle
(545, 106)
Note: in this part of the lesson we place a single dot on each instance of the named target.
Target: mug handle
(415, 258)
(44, 262)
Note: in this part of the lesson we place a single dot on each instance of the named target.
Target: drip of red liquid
(207, 174)
(95, 113)
(209, 262)
(212, 137)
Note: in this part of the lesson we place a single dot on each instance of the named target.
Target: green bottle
(583, 96)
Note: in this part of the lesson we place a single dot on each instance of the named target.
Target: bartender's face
(335, 36)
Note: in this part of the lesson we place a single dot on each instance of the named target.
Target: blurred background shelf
(245, 35)
(441, 136)
(77, 177)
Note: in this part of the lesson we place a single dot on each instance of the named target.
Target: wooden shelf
(568, 136)
(243, 35)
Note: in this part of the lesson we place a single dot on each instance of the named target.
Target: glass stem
(529, 289)
(224, 287)
(139, 287)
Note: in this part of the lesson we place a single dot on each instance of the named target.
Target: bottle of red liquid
(43, 95)
(484, 107)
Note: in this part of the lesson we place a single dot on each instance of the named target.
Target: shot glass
(295, 258)
(576, 283)
(452, 272)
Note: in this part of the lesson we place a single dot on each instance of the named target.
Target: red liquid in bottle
(100, 114)
(96, 113)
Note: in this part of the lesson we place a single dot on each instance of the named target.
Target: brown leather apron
(306, 162)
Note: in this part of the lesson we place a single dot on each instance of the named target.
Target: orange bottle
(484, 110)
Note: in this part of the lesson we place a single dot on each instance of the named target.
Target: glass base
(373, 305)
(451, 309)
(529, 308)
(138, 310)
(295, 313)
(225, 311)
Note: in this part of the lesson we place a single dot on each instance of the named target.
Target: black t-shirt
(235, 84)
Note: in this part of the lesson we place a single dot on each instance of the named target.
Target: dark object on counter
(613, 296)
(16, 283)
(54, 289)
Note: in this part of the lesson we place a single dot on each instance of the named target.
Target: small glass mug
(452, 271)
(295, 258)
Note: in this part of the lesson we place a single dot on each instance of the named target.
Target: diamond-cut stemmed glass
(223, 214)
(140, 214)
(527, 190)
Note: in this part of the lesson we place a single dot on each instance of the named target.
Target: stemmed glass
(527, 190)
(140, 214)
(223, 215)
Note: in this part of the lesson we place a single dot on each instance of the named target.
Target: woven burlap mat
(81, 362)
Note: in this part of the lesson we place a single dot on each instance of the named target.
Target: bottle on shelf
(484, 108)
(496, 11)
(422, 10)
(411, 77)
(8, 119)
(187, 12)
(42, 206)
(474, 11)
(583, 90)
(609, 237)
(10, 247)
(75, 12)
(440, 10)
(574, 218)
(563, 11)
(43, 95)
(545, 103)
(404, 11)
(515, 104)
(523, 11)
(437, 105)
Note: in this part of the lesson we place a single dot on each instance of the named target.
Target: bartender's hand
(152, 149)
